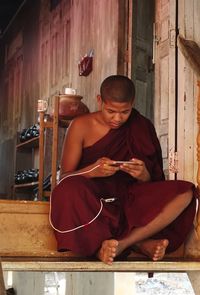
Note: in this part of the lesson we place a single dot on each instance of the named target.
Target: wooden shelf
(24, 159)
(26, 185)
(31, 143)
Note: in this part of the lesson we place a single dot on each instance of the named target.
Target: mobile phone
(124, 162)
(118, 163)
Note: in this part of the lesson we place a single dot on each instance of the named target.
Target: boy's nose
(118, 117)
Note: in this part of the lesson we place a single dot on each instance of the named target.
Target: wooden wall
(40, 54)
(69, 32)
(189, 27)
(175, 97)
(18, 86)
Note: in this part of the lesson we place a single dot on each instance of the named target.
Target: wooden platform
(27, 243)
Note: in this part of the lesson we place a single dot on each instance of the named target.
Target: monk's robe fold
(76, 200)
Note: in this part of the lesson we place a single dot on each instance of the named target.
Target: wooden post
(55, 143)
(41, 156)
(198, 157)
(2, 285)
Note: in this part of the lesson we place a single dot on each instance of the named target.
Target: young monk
(139, 208)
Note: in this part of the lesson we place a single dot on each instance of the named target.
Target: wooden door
(142, 66)
(165, 81)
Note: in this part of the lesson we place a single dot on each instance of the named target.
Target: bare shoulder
(83, 122)
(74, 142)
(87, 129)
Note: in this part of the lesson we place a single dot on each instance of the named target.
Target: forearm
(86, 172)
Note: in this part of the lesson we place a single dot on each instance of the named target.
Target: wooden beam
(96, 266)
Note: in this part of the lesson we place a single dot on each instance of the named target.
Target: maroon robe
(76, 200)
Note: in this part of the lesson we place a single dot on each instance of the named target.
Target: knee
(187, 197)
(190, 195)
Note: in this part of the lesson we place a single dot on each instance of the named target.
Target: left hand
(137, 169)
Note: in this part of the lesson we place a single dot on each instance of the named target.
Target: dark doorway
(142, 55)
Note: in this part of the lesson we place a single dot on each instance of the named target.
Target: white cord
(82, 225)
(79, 173)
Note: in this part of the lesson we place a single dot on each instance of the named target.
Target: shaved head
(117, 88)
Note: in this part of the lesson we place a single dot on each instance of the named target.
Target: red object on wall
(85, 66)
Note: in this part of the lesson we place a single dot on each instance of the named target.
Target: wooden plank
(96, 266)
(23, 207)
(25, 228)
(2, 285)
(122, 60)
(164, 107)
(187, 104)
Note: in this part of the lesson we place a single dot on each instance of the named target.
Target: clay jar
(71, 106)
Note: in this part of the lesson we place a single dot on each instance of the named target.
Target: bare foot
(155, 249)
(108, 251)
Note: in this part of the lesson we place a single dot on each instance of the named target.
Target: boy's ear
(99, 101)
